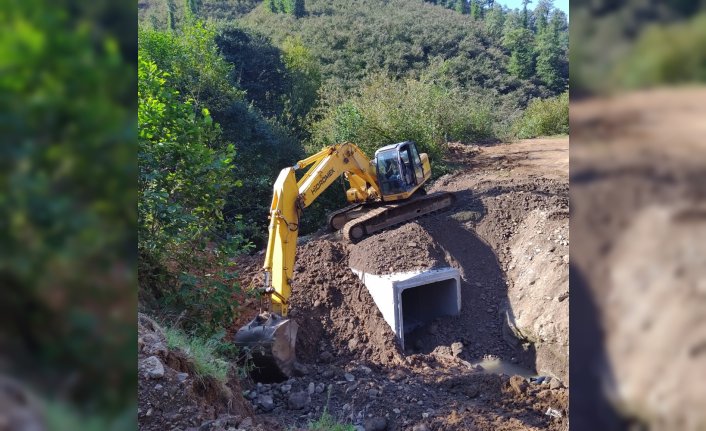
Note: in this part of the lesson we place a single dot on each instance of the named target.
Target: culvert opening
(410, 300)
(424, 303)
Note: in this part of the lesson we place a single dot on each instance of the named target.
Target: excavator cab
(400, 170)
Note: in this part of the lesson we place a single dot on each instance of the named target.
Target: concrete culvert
(410, 300)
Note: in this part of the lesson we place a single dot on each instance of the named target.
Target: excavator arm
(290, 197)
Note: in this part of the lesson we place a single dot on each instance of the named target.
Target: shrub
(386, 111)
(544, 118)
(667, 55)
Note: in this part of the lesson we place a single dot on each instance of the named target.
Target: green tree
(462, 7)
(299, 8)
(476, 9)
(551, 54)
(495, 21)
(306, 79)
(519, 40)
(541, 14)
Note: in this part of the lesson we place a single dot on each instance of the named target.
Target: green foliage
(61, 416)
(328, 423)
(290, 7)
(462, 7)
(68, 202)
(666, 55)
(191, 58)
(387, 111)
(544, 118)
(607, 58)
(183, 180)
(551, 62)
(306, 80)
(519, 40)
(353, 40)
(208, 362)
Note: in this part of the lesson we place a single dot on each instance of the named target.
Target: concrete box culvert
(412, 299)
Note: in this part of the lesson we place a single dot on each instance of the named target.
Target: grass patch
(327, 423)
(203, 352)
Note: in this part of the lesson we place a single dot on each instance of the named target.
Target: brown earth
(503, 191)
(638, 195)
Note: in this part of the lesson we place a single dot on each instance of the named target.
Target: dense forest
(231, 91)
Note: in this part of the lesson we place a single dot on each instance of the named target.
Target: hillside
(414, 39)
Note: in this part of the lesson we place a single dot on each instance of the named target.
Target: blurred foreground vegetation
(632, 44)
(68, 257)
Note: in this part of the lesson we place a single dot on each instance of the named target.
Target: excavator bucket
(270, 341)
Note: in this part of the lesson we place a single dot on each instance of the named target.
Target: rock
(425, 415)
(471, 390)
(251, 395)
(158, 387)
(153, 345)
(518, 384)
(326, 357)
(352, 344)
(182, 377)
(372, 393)
(359, 428)
(349, 377)
(328, 373)
(152, 367)
(298, 400)
(311, 389)
(553, 413)
(397, 375)
(565, 258)
(300, 369)
(375, 424)
(555, 384)
(320, 388)
(365, 369)
(285, 388)
(420, 427)
(265, 402)
(317, 303)
(245, 423)
(456, 348)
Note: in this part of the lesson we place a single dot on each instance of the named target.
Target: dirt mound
(336, 314)
(404, 249)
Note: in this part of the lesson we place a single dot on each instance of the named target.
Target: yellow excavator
(383, 192)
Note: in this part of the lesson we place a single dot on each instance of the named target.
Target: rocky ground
(508, 236)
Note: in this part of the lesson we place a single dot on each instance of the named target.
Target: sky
(512, 4)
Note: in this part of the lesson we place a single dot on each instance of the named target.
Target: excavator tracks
(390, 215)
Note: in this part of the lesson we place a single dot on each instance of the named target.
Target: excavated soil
(407, 248)
(353, 366)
